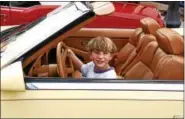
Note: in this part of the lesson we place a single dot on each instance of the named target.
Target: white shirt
(89, 72)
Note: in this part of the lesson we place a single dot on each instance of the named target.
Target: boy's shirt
(89, 72)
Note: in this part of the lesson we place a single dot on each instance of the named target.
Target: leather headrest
(149, 25)
(170, 41)
(134, 39)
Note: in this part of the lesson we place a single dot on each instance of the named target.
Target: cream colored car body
(82, 100)
(96, 99)
(91, 103)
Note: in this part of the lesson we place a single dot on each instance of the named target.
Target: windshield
(22, 40)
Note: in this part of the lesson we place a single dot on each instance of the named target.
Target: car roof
(53, 25)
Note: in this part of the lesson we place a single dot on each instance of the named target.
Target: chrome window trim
(105, 86)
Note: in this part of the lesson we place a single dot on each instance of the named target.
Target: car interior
(145, 53)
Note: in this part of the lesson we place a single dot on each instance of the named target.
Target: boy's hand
(70, 52)
(77, 62)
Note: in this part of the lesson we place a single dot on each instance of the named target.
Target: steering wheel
(65, 65)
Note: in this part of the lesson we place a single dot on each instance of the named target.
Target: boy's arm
(77, 62)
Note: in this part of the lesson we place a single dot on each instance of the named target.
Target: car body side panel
(91, 103)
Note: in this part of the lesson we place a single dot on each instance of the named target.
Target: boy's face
(101, 59)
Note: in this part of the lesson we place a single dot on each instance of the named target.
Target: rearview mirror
(103, 8)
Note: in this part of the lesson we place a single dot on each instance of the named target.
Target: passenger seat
(171, 44)
(139, 68)
(159, 57)
(128, 53)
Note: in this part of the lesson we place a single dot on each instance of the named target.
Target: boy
(101, 51)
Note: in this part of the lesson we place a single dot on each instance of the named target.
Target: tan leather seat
(128, 53)
(159, 57)
(133, 51)
(171, 64)
(149, 25)
(139, 67)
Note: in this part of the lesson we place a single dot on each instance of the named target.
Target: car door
(34, 97)
(58, 98)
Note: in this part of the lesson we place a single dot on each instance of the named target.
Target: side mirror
(103, 8)
(12, 78)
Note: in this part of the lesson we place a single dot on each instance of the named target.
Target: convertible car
(38, 79)
(126, 15)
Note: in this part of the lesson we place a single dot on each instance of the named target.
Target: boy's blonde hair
(101, 43)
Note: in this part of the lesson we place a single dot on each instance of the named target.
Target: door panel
(73, 103)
